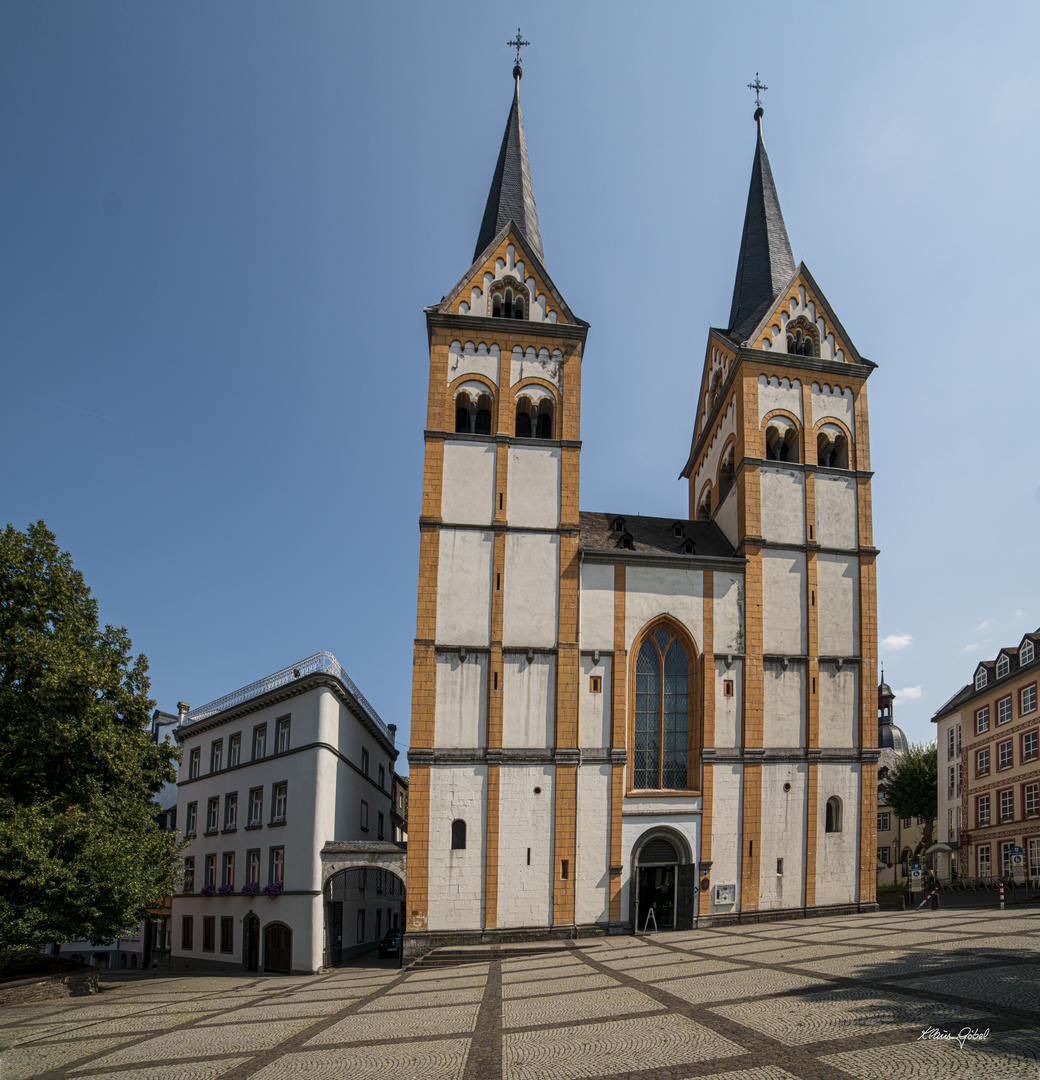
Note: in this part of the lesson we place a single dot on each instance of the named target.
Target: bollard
(1002, 896)
(935, 902)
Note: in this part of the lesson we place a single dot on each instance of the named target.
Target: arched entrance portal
(278, 949)
(361, 905)
(664, 883)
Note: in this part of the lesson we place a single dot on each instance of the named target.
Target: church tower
(494, 745)
(780, 462)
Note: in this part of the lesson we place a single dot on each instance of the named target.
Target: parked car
(391, 944)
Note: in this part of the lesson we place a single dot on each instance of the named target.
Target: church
(621, 722)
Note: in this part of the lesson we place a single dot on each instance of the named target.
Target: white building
(270, 775)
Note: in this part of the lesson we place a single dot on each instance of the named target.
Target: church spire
(511, 197)
(766, 263)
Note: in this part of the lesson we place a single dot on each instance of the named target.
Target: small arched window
(458, 835)
(716, 389)
(803, 337)
(523, 418)
(463, 420)
(781, 441)
(832, 448)
(545, 424)
(482, 419)
(507, 299)
(726, 474)
(832, 821)
(704, 506)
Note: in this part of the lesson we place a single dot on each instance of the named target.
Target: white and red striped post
(927, 898)
(1002, 896)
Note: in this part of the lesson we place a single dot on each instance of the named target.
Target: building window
(231, 811)
(260, 742)
(595, 684)
(209, 933)
(282, 736)
(781, 440)
(1005, 858)
(907, 822)
(1004, 710)
(1007, 805)
(364, 762)
(364, 816)
(958, 740)
(884, 821)
(984, 864)
(884, 855)
(211, 870)
(951, 744)
(982, 720)
(279, 798)
(379, 833)
(227, 934)
(1029, 746)
(1003, 666)
(228, 876)
(951, 787)
(191, 819)
(458, 835)
(234, 751)
(193, 763)
(216, 755)
(1025, 656)
(256, 806)
(277, 864)
(253, 866)
(382, 778)
(1034, 857)
(832, 816)
(982, 811)
(980, 678)
(212, 814)
(1031, 799)
(832, 447)
(982, 763)
(662, 694)
(1005, 758)
(1027, 700)
(187, 932)
(189, 874)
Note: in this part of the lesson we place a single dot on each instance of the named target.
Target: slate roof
(652, 535)
(992, 682)
(766, 263)
(511, 197)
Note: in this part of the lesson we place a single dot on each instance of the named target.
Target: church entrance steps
(445, 956)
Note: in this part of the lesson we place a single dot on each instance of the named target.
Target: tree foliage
(912, 789)
(81, 854)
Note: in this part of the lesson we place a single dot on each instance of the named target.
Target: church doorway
(664, 883)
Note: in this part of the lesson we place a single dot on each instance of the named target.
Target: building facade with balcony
(988, 737)
(269, 776)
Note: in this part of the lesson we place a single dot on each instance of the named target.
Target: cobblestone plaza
(819, 999)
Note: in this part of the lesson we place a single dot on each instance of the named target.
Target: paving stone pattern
(821, 999)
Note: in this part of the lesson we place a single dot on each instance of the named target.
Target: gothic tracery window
(661, 718)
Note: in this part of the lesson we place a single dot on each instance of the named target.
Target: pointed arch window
(661, 718)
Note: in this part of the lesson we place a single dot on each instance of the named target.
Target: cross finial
(518, 43)
(758, 86)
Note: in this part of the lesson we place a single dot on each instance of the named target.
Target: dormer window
(617, 525)
(1026, 653)
(981, 678)
(1003, 666)
(508, 299)
(626, 542)
(677, 529)
(687, 547)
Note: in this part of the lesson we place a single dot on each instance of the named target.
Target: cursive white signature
(966, 1034)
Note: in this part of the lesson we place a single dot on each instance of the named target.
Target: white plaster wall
(531, 585)
(837, 853)
(783, 835)
(837, 601)
(687, 825)
(728, 612)
(709, 469)
(457, 877)
(775, 393)
(526, 821)
(727, 518)
(461, 704)
(678, 804)
(473, 359)
(468, 491)
(528, 364)
(726, 835)
(477, 304)
(529, 702)
(784, 624)
(597, 606)
(783, 702)
(728, 710)
(783, 504)
(833, 401)
(836, 514)
(464, 587)
(594, 709)
(839, 706)
(592, 887)
(533, 492)
(651, 591)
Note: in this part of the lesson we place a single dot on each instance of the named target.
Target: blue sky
(220, 224)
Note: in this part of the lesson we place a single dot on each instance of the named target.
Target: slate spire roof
(511, 197)
(766, 264)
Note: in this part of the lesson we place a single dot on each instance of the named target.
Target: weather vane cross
(758, 86)
(519, 43)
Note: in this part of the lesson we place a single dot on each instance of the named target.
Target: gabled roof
(511, 197)
(651, 535)
(766, 263)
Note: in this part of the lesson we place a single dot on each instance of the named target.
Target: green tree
(81, 854)
(912, 790)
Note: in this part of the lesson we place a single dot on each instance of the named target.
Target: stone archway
(664, 880)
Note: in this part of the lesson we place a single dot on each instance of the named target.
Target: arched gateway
(664, 880)
(363, 895)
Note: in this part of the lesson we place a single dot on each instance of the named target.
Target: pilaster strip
(812, 706)
(566, 816)
(501, 482)
(433, 479)
(437, 399)
(491, 848)
(418, 896)
(569, 486)
(868, 637)
(754, 689)
(708, 720)
(751, 857)
(618, 730)
(812, 781)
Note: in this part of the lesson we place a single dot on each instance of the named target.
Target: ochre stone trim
(429, 558)
(453, 389)
(754, 676)
(859, 406)
(491, 848)
(418, 896)
(436, 401)
(707, 813)
(570, 465)
(424, 694)
(566, 825)
(868, 724)
(784, 414)
(618, 729)
(812, 782)
(812, 708)
(617, 794)
(501, 485)
(833, 420)
(433, 479)
(707, 785)
(570, 394)
(863, 506)
(751, 855)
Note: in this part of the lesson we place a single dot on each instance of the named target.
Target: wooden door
(278, 950)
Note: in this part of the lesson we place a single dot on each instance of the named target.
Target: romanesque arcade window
(832, 447)
(508, 299)
(534, 414)
(661, 716)
(781, 440)
(473, 413)
(803, 338)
